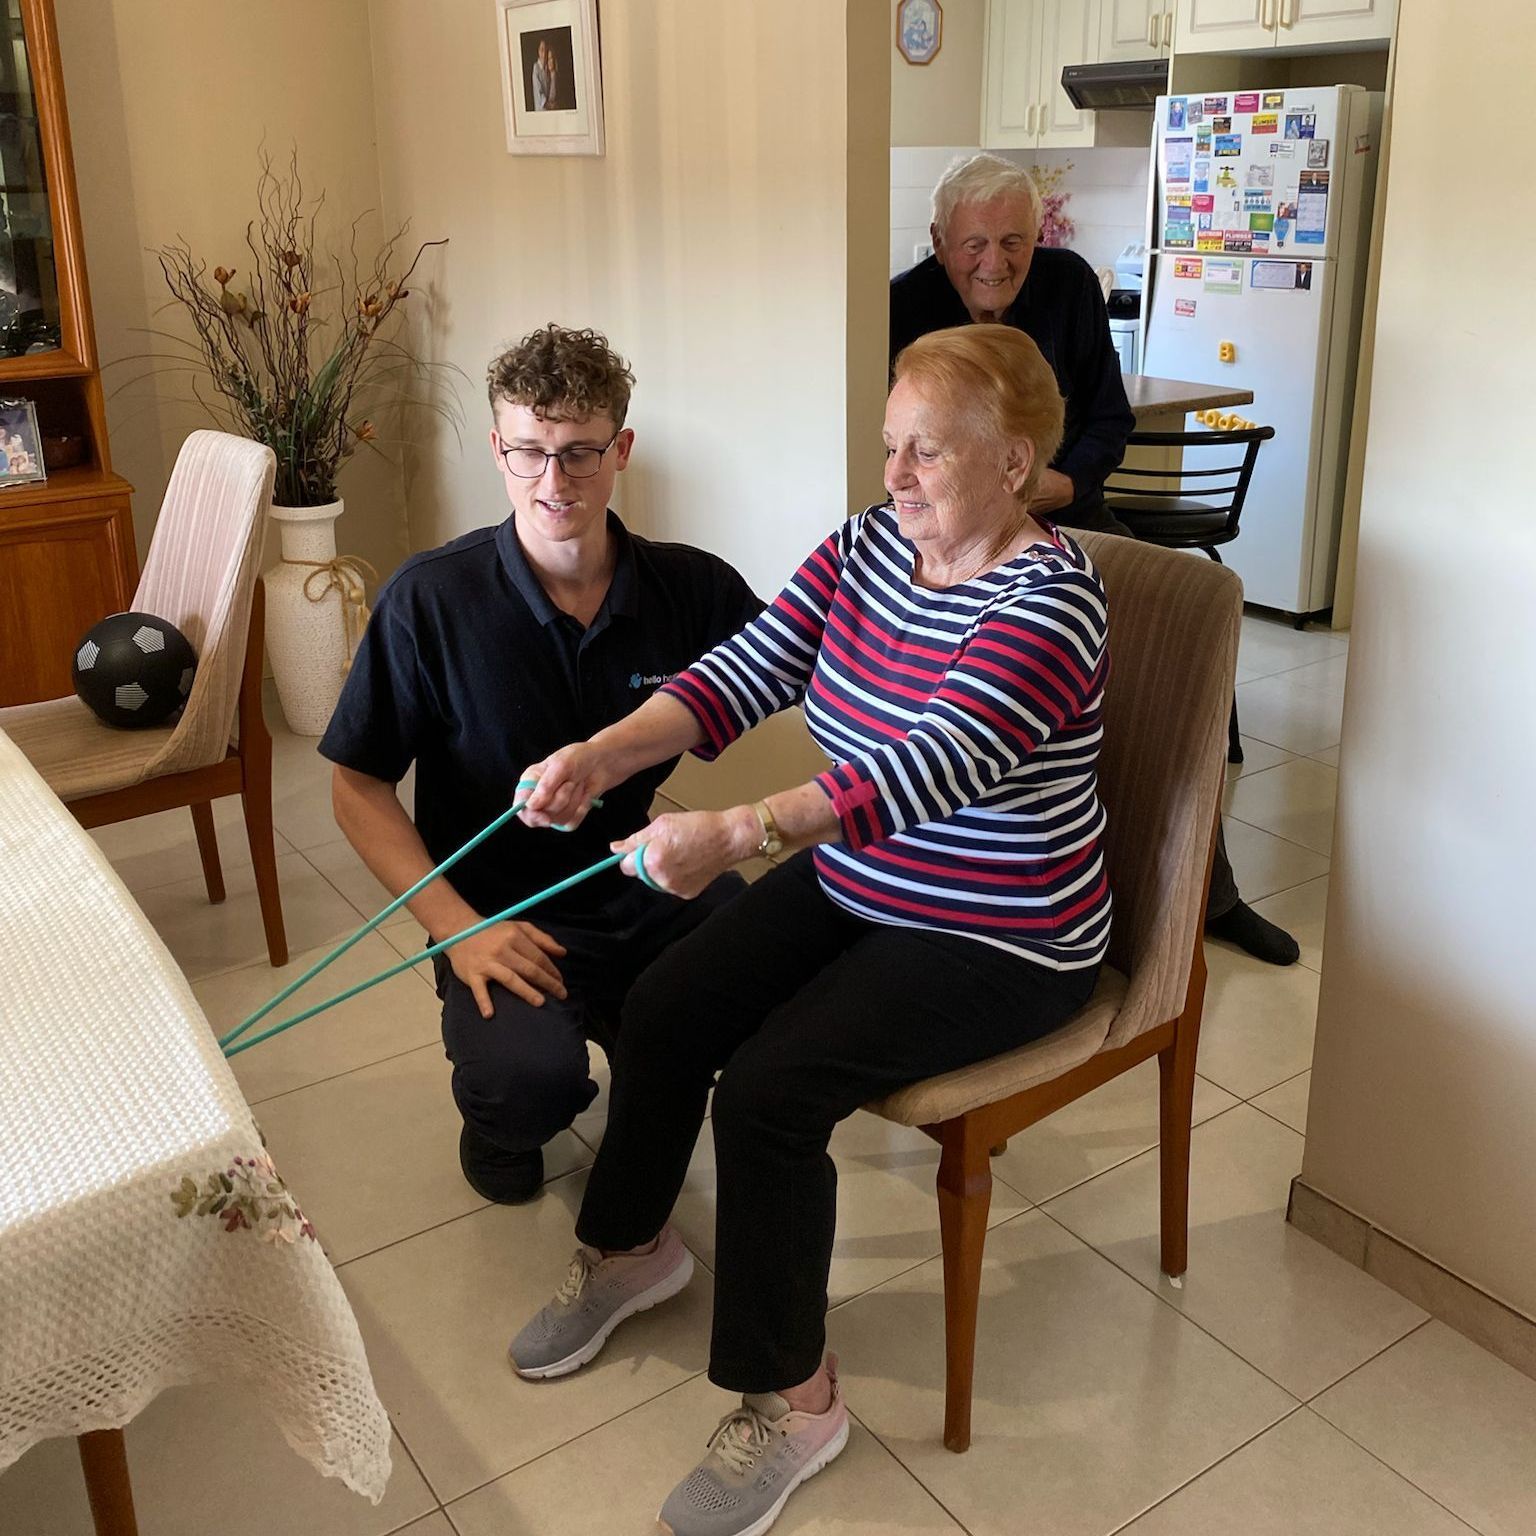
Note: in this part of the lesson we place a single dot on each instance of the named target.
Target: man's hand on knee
(517, 956)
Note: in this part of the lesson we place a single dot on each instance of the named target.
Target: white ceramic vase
(306, 634)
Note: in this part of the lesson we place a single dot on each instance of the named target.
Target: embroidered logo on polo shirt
(655, 680)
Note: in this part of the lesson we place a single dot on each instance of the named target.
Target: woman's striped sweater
(964, 725)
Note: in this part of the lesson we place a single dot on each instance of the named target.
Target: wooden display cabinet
(66, 544)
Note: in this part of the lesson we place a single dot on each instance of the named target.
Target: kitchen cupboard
(1028, 44)
(1236, 26)
(1134, 29)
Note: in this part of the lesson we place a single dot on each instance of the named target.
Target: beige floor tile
(1303, 912)
(1265, 864)
(1294, 800)
(612, 1481)
(1103, 1128)
(1329, 755)
(205, 1461)
(346, 871)
(1452, 1420)
(1301, 1478)
(438, 1311)
(397, 1015)
(887, 1210)
(1093, 1400)
(1259, 1021)
(1288, 1102)
(206, 939)
(1284, 1303)
(436, 1524)
(301, 791)
(373, 1156)
(1257, 756)
(1268, 646)
(1300, 711)
(162, 849)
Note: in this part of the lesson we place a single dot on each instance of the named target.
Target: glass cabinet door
(29, 291)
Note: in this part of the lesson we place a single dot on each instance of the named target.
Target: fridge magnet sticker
(1209, 240)
(1202, 202)
(1221, 125)
(1283, 276)
(1260, 176)
(1229, 144)
(1188, 266)
(1202, 221)
(1317, 154)
(1312, 208)
(1178, 235)
(1215, 106)
(1194, 112)
(1237, 242)
(1282, 230)
(1224, 277)
(1256, 200)
(1176, 113)
(1179, 155)
(1266, 122)
(1225, 178)
(1246, 101)
(1260, 223)
(1274, 101)
(1284, 148)
(1202, 141)
(1178, 200)
(1260, 242)
(1300, 125)
(1184, 308)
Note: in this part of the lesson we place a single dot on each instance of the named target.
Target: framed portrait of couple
(551, 76)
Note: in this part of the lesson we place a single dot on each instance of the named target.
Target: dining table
(147, 1240)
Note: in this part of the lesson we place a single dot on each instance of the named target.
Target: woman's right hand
(566, 784)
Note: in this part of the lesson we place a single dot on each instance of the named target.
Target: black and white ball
(134, 670)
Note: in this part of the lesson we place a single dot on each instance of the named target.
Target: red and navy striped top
(964, 725)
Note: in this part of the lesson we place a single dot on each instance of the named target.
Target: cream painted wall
(1420, 1115)
(940, 102)
(712, 244)
(168, 103)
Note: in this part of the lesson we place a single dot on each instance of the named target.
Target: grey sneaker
(757, 1457)
(596, 1296)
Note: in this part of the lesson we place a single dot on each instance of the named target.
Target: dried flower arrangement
(304, 365)
(1056, 228)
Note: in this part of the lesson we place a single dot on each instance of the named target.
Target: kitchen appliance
(1261, 215)
(1123, 301)
(1132, 85)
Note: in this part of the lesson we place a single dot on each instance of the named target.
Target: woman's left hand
(686, 850)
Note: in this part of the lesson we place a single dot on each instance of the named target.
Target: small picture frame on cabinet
(919, 30)
(551, 76)
(21, 448)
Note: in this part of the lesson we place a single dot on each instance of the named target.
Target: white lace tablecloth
(145, 1238)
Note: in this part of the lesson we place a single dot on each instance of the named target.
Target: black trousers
(806, 1012)
(520, 1078)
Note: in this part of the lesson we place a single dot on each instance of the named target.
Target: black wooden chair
(1188, 508)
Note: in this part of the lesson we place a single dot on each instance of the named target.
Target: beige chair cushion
(75, 753)
(1173, 628)
(200, 575)
(942, 1098)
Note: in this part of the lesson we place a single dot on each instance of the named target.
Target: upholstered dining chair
(1173, 630)
(201, 575)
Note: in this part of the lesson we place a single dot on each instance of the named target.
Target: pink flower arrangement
(1056, 229)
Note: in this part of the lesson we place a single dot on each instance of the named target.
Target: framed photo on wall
(21, 449)
(919, 30)
(551, 76)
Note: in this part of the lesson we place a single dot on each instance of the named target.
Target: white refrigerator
(1261, 210)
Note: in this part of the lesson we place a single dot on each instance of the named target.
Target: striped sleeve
(767, 666)
(1032, 671)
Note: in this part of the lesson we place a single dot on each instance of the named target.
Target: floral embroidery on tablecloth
(248, 1196)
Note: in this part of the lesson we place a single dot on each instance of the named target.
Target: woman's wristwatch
(773, 841)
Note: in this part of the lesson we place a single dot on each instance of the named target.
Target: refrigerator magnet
(1301, 125)
(1215, 106)
(1221, 125)
(1184, 309)
(1246, 101)
(1317, 154)
(1176, 114)
(1229, 144)
(1266, 122)
(1274, 101)
(1188, 266)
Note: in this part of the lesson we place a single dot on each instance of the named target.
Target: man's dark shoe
(508, 1178)
(1259, 937)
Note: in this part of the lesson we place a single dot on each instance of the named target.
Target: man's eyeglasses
(580, 463)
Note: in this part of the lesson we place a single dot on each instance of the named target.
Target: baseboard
(1459, 1304)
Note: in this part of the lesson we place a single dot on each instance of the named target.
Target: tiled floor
(1278, 1392)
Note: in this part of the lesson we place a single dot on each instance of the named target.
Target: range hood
(1129, 87)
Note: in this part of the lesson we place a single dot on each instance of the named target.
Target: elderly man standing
(986, 267)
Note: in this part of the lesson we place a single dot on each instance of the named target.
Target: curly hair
(563, 375)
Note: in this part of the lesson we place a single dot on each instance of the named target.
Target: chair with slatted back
(1182, 506)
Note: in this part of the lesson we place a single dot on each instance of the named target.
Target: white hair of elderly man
(981, 179)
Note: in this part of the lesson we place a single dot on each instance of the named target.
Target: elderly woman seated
(946, 901)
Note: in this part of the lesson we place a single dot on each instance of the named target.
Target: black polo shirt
(1060, 307)
(469, 670)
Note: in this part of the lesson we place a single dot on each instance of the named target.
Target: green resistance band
(272, 1003)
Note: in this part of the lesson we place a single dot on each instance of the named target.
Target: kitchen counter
(1174, 398)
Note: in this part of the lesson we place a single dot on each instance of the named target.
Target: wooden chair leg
(208, 850)
(258, 828)
(1176, 1101)
(965, 1196)
(104, 1458)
